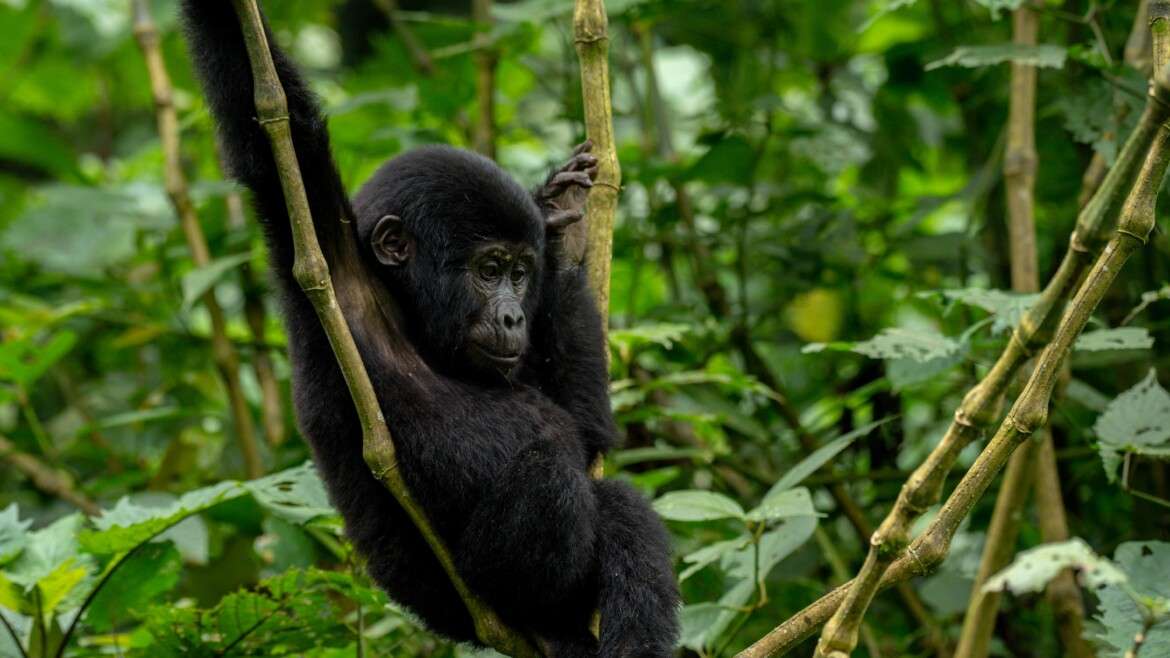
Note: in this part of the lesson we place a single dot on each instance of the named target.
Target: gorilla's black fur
(499, 463)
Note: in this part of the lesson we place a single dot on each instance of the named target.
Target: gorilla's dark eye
(519, 274)
(489, 269)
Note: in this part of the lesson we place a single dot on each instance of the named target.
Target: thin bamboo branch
(892, 557)
(591, 37)
(224, 354)
(312, 273)
(486, 59)
(271, 407)
(419, 56)
(55, 482)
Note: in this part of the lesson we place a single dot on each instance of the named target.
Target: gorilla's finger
(564, 218)
(580, 161)
(583, 147)
(592, 171)
(568, 178)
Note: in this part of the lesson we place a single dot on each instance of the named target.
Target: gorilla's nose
(512, 317)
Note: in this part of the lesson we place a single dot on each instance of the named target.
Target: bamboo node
(1023, 344)
(264, 121)
(1143, 239)
(586, 40)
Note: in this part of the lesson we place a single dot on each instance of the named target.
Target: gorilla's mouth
(497, 359)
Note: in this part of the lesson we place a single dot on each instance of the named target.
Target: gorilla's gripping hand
(562, 201)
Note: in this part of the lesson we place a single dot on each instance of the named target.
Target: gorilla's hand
(562, 198)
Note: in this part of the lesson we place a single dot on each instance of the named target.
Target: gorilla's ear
(391, 243)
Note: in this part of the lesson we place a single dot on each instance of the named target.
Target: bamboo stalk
(312, 273)
(892, 558)
(591, 37)
(178, 190)
(1020, 183)
(486, 59)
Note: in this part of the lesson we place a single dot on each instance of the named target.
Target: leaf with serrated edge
(1137, 421)
(1033, 569)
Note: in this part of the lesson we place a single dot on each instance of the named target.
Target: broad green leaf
(1033, 569)
(152, 571)
(127, 525)
(200, 280)
(820, 457)
(1137, 421)
(913, 355)
(697, 506)
(782, 505)
(46, 550)
(1122, 338)
(1041, 56)
(24, 361)
(296, 494)
(13, 534)
(703, 624)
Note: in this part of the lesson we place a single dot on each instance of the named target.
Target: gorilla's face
(498, 276)
(472, 305)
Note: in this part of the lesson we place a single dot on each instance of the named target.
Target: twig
(892, 557)
(226, 359)
(312, 273)
(418, 54)
(46, 478)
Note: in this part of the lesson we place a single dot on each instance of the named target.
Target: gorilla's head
(460, 245)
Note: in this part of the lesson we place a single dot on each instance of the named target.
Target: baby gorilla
(487, 355)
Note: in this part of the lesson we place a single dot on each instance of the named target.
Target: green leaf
(13, 534)
(1033, 569)
(1137, 421)
(775, 545)
(1122, 610)
(1122, 338)
(997, 6)
(50, 570)
(820, 457)
(782, 505)
(143, 577)
(296, 495)
(664, 335)
(1007, 307)
(200, 280)
(696, 505)
(889, 7)
(1041, 56)
(913, 355)
(711, 554)
(128, 525)
(24, 361)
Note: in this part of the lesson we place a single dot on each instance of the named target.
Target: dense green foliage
(809, 270)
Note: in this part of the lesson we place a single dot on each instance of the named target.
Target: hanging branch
(312, 273)
(486, 59)
(226, 359)
(591, 36)
(892, 557)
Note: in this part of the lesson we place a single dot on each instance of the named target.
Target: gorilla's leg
(639, 595)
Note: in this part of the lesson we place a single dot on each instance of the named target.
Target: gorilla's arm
(221, 59)
(568, 357)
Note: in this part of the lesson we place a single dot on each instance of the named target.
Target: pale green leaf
(295, 494)
(128, 524)
(782, 505)
(1122, 338)
(13, 534)
(1033, 569)
(1041, 56)
(711, 554)
(696, 505)
(1122, 610)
